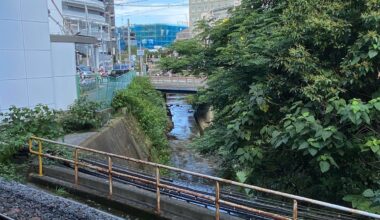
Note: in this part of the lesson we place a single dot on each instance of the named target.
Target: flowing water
(184, 130)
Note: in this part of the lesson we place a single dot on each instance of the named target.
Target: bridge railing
(215, 198)
(178, 80)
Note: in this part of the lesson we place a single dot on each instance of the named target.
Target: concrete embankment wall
(122, 136)
(204, 116)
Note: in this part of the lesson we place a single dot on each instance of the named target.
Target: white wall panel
(30, 73)
(36, 35)
(41, 91)
(64, 68)
(65, 91)
(10, 9)
(12, 64)
(37, 63)
(34, 10)
(13, 92)
(11, 35)
(63, 59)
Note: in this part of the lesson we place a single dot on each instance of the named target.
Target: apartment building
(95, 18)
(209, 10)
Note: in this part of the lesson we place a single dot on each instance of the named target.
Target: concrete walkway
(76, 138)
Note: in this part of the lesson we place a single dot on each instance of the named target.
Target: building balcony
(74, 15)
(90, 3)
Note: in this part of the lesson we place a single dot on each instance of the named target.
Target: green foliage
(82, 115)
(368, 200)
(296, 93)
(20, 123)
(148, 106)
(10, 171)
(184, 55)
(60, 191)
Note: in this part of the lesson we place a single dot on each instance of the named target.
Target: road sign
(140, 52)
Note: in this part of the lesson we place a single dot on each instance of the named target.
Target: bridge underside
(176, 90)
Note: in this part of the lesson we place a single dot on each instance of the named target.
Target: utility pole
(129, 44)
(119, 42)
(141, 62)
(86, 12)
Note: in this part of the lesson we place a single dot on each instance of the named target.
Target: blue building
(151, 36)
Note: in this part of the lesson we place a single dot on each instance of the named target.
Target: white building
(87, 18)
(33, 70)
(209, 10)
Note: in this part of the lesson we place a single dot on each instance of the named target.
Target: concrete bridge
(166, 196)
(184, 84)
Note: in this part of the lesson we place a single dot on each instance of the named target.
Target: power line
(161, 5)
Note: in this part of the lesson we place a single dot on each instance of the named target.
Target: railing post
(158, 207)
(76, 165)
(217, 205)
(295, 210)
(40, 158)
(110, 175)
(30, 145)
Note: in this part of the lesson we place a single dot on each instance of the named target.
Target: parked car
(119, 69)
(84, 71)
(122, 67)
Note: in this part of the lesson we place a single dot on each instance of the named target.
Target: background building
(94, 18)
(209, 9)
(151, 36)
(33, 70)
(183, 35)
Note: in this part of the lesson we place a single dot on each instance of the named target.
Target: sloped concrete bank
(204, 116)
(122, 136)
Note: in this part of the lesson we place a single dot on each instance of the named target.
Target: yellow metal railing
(216, 199)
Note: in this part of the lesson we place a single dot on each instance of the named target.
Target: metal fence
(218, 197)
(102, 89)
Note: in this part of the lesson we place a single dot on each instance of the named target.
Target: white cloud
(150, 13)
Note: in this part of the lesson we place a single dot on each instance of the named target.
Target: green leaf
(299, 126)
(374, 147)
(355, 60)
(275, 134)
(377, 105)
(368, 193)
(240, 151)
(241, 176)
(372, 53)
(312, 151)
(303, 145)
(324, 166)
(329, 109)
(326, 135)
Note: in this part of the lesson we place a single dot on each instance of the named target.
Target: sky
(151, 12)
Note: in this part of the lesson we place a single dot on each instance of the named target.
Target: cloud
(150, 12)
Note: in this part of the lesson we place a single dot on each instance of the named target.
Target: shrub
(82, 115)
(148, 106)
(21, 123)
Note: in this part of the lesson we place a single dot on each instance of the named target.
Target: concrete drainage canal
(126, 140)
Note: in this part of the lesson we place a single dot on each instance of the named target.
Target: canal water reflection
(184, 130)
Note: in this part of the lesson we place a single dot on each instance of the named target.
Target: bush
(148, 106)
(82, 115)
(21, 123)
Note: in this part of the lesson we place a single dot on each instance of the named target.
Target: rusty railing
(215, 199)
(178, 80)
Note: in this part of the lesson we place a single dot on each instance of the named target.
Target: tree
(295, 86)
(184, 56)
